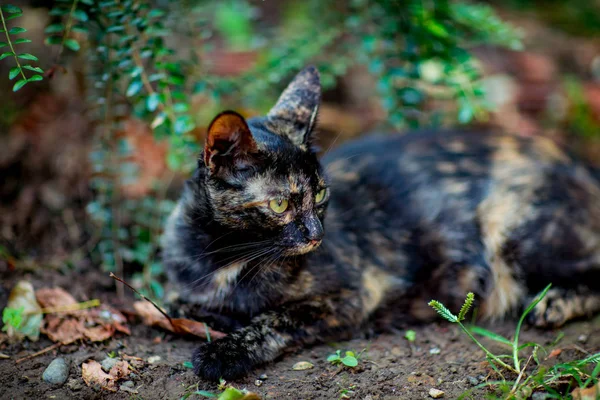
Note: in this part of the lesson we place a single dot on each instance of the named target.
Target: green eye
(278, 205)
(320, 196)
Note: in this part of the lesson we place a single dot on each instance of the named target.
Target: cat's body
(406, 218)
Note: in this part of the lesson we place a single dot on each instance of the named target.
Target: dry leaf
(554, 353)
(54, 297)
(93, 374)
(22, 301)
(96, 324)
(591, 393)
(152, 317)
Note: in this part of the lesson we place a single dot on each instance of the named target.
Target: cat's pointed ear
(295, 113)
(228, 141)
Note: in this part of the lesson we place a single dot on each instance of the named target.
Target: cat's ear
(295, 113)
(228, 141)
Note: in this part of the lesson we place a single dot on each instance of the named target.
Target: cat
(283, 250)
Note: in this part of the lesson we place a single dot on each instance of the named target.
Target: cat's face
(263, 179)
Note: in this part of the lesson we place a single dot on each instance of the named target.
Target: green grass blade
(490, 335)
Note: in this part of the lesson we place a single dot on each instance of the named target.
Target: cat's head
(262, 176)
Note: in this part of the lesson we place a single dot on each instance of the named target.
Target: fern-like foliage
(7, 13)
(466, 306)
(443, 311)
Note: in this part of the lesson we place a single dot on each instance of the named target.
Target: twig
(39, 353)
(143, 297)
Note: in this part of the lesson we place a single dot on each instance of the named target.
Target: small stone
(57, 372)
(74, 385)
(153, 359)
(302, 365)
(472, 380)
(539, 396)
(454, 370)
(108, 363)
(436, 393)
(263, 377)
(582, 338)
(128, 387)
(434, 350)
(258, 382)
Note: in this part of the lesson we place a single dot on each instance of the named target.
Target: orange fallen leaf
(54, 297)
(554, 353)
(591, 393)
(152, 317)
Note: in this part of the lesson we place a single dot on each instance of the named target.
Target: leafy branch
(15, 12)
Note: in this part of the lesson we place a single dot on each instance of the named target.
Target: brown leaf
(591, 393)
(152, 317)
(93, 375)
(54, 297)
(63, 330)
(120, 370)
(554, 353)
(96, 324)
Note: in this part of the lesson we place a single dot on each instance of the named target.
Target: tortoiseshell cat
(285, 251)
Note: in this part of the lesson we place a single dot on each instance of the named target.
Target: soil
(390, 367)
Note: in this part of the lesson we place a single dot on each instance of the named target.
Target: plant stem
(12, 49)
(486, 351)
(67, 30)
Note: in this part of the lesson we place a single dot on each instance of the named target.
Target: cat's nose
(314, 229)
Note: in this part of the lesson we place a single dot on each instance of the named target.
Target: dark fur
(409, 218)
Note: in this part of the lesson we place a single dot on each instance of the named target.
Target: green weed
(525, 377)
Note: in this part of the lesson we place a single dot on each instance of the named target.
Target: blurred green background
(104, 103)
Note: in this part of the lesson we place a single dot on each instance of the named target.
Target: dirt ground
(389, 368)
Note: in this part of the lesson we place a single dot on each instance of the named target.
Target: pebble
(539, 396)
(582, 338)
(153, 359)
(436, 393)
(74, 385)
(434, 350)
(302, 365)
(57, 372)
(128, 386)
(472, 380)
(258, 382)
(108, 363)
(263, 377)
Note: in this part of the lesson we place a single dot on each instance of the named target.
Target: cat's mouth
(302, 249)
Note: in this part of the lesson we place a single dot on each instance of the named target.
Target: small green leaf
(35, 78)
(152, 101)
(188, 364)
(13, 73)
(134, 88)
(80, 15)
(72, 44)
(13, 16)
(16, 29)
(231, 393)
(183, 124)
(7, 54)
(205, 393)
(156, 13)
(410, 335)
(34, 69)
(181, 107)
(9, 8)
(54, 28)
(53, 40)
(3, 44)
(21, 40)
(19, 84)
(27, 56)
(350, 361)
(333, 357)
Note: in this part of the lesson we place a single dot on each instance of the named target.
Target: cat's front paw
(225, 358)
